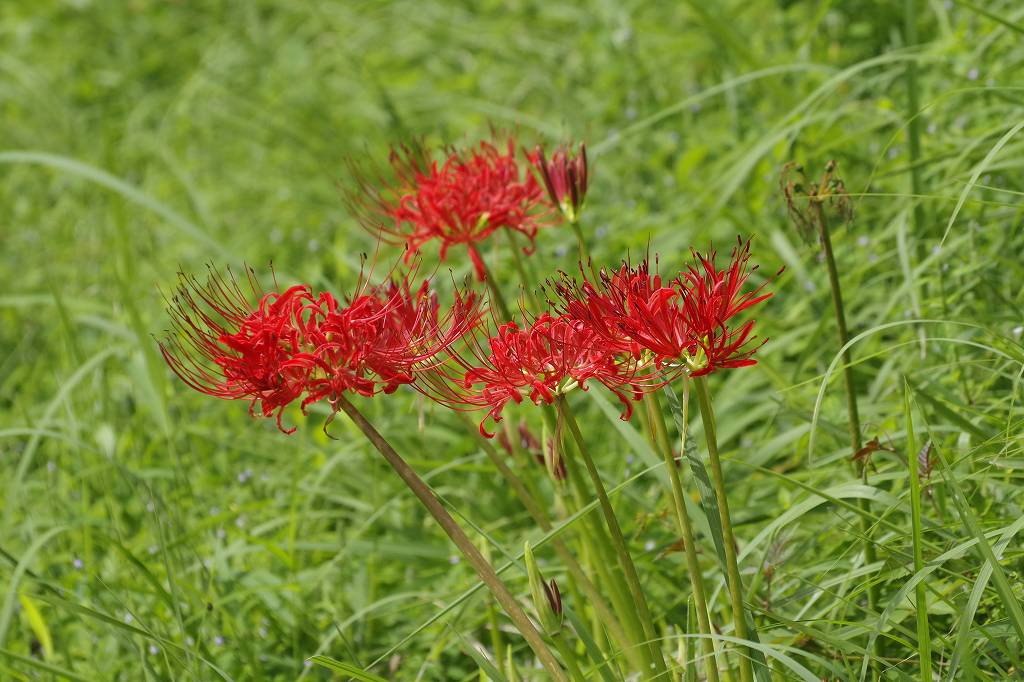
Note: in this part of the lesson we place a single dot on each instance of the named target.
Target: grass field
(150, 533)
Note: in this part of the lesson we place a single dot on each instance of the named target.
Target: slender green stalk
(913, 119)
(486, 572)
(731, 565)
(853, 415)
(524, 278)
(603, 563)
(598, 544)
(924, 641)
(568, 656)
(584, 251)
(581, 243)
(618, 541)
(685, 527)
(540, 517)
(495, 292)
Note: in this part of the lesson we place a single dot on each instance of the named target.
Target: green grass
(151, 533)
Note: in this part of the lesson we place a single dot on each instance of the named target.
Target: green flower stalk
(812, 222)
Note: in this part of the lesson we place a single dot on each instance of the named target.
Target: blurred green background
(152, 533)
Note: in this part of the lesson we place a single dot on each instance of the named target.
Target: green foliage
(147, 532)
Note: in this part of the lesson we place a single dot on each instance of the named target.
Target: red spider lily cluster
(539, 362)
(684, 322)
(629, 329)
(273, 349)
(462, 200)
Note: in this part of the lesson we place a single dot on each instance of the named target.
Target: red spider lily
(631, 308)
(462, 200)
(384, 337)
(293, 344)
(683, 323)
(710, 298)
(564, 177)
(540, 361)
(223, 345)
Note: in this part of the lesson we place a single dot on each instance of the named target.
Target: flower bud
(547, 599)
(564, 177)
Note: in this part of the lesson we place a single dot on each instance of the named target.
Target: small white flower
(153, 649)
(77, 563)
(453, 560)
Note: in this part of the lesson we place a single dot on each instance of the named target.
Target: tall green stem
(454, 531)
(527, 281)
(585, 259)
(581, 243)
(853, 415)
(921, 597)
(569, 656)
(540, 517)
(495, 292)
(597, 542)
(731, 565)
(685, 527)
(618, 540)
(913, 119)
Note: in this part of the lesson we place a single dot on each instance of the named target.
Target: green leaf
(37, 623)
(350, 670)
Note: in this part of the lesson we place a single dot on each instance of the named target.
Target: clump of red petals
(383, 337)
(711, 298)
(273, 349)
(222, 344)
(564, 178)
(539, 361)
(631, 308)
(685, 323)
(461, 200)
